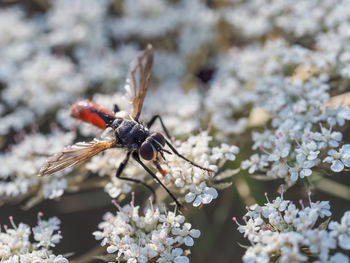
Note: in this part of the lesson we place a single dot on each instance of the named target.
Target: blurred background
(55, 52)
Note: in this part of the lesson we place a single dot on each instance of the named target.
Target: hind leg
(153, 119)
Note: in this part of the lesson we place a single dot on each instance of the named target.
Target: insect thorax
(129, 133)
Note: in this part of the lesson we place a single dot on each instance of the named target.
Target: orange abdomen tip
(90, 112)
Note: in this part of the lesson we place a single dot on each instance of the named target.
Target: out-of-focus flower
(22, 162)
(255, 163)
(342, 231)
(16, 244)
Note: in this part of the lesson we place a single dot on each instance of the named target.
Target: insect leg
(120, 170)
(115, 108)
(151, 122)
(183, 157)
(137, 159)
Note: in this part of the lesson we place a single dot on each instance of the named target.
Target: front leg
(137, 159)
(187, 160)
(120, 170)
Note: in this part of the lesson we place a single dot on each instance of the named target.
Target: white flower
(185, 234)
(255, 163)
(327, 137)
(16, 244)
(322, 208)
(301, 169)
(279, 152)
(263, 140)
(308, 150)
(337, 116)
(339, 159)
(54, 188)
(285, 235)
(225, 151)
(172, 219)
(45, 234)
(155, 236)
(256, 254)
(22, 178)
(174, 256)
(201, 194)
(342, 230)
(116, 187)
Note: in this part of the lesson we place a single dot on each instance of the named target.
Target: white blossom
(136, 238)
(280, 231)
(16, 244)
(340, 159)
(255, 163)
(342, 230)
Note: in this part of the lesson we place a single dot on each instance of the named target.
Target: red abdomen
(90, 112)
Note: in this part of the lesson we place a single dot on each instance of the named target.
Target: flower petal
(344, 241)
(188, 241)
(337, 166)
(181, 259)
(190, 197)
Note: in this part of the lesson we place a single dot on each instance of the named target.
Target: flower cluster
(155, 236)
(55, 59)
(283, 83)
(197, 185)
(20, 165)
(16, 244)
(301, 133)
(290, 86)
(280, 231)
(306, 18)
(269, 67)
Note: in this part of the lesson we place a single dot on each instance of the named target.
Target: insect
(121, 130)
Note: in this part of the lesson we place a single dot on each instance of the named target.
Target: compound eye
(159, 138)
(146, 151)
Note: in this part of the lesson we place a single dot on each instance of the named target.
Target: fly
(121, 130)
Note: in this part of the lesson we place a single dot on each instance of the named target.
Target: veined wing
(75, 154)
(138, 79)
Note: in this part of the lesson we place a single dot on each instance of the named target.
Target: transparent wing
(138, 79)
(75, 154)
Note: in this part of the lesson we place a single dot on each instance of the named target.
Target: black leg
(120, 170)
(115, 108)
(137, 159)
(183, 157)
(151, 122)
